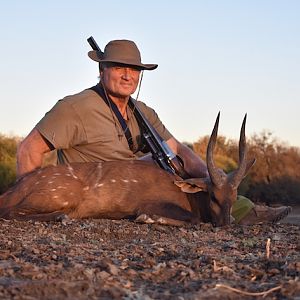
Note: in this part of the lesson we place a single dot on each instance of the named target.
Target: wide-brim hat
(123, 52)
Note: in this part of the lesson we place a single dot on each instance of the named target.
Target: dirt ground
(105, 259)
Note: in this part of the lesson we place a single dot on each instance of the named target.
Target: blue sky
(228, 56)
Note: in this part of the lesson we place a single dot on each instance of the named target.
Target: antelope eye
(213, 198)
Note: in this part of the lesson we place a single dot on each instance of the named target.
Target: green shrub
(8, 150)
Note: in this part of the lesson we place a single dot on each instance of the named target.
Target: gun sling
(100, 91)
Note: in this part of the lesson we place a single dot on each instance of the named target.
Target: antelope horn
(215, 176)
(240, 172)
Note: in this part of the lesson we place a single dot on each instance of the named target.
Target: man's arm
(193, 164)
(30, 152)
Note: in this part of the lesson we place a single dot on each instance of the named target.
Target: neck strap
(100, 91)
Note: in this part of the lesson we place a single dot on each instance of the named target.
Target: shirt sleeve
(62, 126)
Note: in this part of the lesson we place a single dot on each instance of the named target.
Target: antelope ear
(250, 163)
(192, 185)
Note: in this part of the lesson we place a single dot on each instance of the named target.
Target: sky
(232, 56)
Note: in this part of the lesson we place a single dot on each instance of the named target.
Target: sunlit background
(228, 56)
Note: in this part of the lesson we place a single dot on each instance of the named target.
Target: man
(85, 127)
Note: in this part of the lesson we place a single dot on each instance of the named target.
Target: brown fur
(115, 190)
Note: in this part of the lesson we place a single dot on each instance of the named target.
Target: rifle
(93, 44)
(161, 152)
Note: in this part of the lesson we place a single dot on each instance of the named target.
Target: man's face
(120, 81)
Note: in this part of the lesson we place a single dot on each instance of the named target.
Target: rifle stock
(161, 152)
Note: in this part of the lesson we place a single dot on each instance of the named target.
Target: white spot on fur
(49, 182)
(56, 174)
(99, 184)
(98, 172)
(113, 180)
(134, 180)
(72, 172)
(55, 197)
(70, 168)
(125, 180)
(65, 203)
(86, 188)
(61, 187)
(43, 176)
(37, 182)
(53, 190)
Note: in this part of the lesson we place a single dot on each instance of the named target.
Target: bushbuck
(127, 189)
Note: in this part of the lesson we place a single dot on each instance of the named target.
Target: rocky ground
(104, 259)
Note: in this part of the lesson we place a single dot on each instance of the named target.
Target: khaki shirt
(84, 128)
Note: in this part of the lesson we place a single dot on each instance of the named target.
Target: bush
(282, 190)
(8, 150)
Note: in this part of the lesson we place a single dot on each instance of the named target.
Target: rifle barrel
(93, 44)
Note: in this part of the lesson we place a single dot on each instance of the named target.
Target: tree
(222, 149)
(276, 174)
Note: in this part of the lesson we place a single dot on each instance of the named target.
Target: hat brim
(96, 56)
